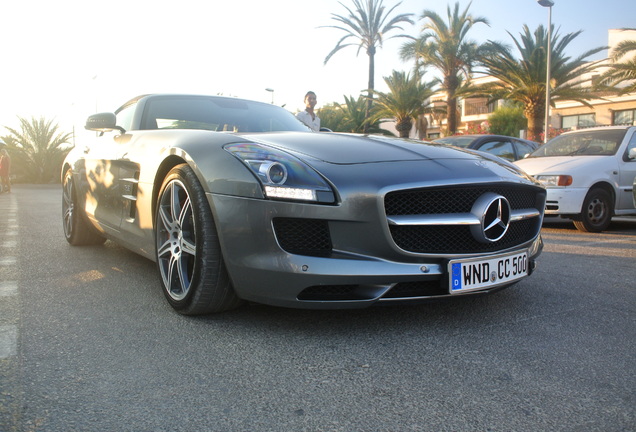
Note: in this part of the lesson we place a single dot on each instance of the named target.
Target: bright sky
(66, 59)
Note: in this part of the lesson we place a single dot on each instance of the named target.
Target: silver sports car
(237, 200)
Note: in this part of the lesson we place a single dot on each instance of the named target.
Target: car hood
(341, 157)
(348, 149)
(561, 164)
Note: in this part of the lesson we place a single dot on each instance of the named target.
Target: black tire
(191, 267)
(596, 214)
(77, 230)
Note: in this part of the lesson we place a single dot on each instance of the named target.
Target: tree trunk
(404, 127)
(535, 115)
(451, 115)
(421, 125)
(451, 83)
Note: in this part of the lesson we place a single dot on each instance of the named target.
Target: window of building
(579, 120)
(625, 117)
(596, 79)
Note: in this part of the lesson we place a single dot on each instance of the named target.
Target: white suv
(588, 173)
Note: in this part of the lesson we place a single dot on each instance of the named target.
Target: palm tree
(367, 26)
(446, 48)
(619, 72)
(523, 80)
(351, 117)
(38, 149)
(354, 114)
(404, 102)
(331, 117)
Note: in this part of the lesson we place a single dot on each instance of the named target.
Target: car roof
(596, 128)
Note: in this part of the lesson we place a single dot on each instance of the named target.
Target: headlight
(282, 175)
(554, 180)
(270, 172)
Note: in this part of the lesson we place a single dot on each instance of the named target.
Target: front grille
(457, 239)
(455, 199)
(416, 289)
(303, 236)
(331, 293)
(552, 205)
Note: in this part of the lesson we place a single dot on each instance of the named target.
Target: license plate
(479, 273)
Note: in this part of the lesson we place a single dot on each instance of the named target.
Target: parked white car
(588, 173)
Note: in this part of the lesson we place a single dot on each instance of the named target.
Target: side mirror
(632, 153)
(103, 122)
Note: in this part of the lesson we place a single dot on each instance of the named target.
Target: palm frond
(38, 148)
(522, 78)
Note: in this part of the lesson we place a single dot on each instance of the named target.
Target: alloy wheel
(176, 240)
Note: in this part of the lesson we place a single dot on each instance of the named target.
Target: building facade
(608, 110)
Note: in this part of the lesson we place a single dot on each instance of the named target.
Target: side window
(499, 148)
(523, 149)
(125, 116)
(631, 146)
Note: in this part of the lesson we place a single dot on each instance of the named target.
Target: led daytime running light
(290, 193)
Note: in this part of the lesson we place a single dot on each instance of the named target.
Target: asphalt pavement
(88, 343)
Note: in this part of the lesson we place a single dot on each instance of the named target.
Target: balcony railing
(478, 107)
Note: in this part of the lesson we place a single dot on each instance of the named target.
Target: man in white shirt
(308, 116)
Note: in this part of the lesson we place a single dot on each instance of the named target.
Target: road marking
(8, 289)
(9, 260)
(8, 341)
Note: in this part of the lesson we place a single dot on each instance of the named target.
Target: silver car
(236, 200)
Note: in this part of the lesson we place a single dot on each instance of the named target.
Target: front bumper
(362, 267)
(564, 201)
(333, 283)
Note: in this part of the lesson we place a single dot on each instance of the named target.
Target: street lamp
(272, 92)
(548, 4)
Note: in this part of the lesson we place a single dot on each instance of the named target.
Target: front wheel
(77, 230)
(193, 274)
(596, 213)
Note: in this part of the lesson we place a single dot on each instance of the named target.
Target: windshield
(217, 114)
(583, 143)
(456, 141)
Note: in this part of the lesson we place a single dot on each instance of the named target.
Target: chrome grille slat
(454, 219)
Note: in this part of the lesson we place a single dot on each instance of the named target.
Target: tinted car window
(502, 149)
(457, 141)
(522, 149)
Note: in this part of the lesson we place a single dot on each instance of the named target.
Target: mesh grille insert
(417, 289)
(455, 199)
(303, 236)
